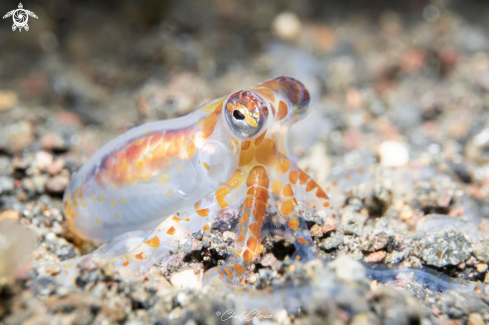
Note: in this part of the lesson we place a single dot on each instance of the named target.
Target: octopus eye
(245, 114)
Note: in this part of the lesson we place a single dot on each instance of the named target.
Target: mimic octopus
(176, 176)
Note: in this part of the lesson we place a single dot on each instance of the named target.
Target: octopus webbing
(156, 184)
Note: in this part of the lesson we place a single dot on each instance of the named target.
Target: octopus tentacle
(133, 255)
(252, 216)
(310, 192)
(285, 189)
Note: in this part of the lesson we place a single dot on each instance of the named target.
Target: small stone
(229, 235)
(192, 245)
(51, 237)
(450, 322)
(368, 318)
(324, 37)
(376, 257)
(9, 214)
(395, 257)
(56, 167)
(375, 242)
(406, 213)
(282, 317)
(187, 279)
(329, 225)
(53, 141)
(413, 59)
(481, 251)
(6, 184)
(436, 312)
(476, 148)
(353, 223)
(461, 302)
(481, 267)
(471, 261)
(35, 183)
(393, 154)
(332, 241)
(68, 118)
(175, 261)
(18, 136)
(440, 248)
(268, 260)
(43, 286)
(348, 269)
(20, 164)
(57, 184)
(43, 160)
(8, 99)
(287, 26)
(316, 231)
(476, 319)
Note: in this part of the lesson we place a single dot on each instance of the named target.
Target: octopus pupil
(238, 115)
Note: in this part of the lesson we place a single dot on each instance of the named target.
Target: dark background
(93, 69)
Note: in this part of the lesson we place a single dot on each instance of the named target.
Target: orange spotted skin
(143, 156)
(175, 177)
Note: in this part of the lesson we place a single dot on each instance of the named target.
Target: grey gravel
(440, 248)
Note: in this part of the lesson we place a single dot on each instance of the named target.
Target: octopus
(155, 185)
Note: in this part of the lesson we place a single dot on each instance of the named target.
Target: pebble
(43, 160)
(353, 223)
(316, 231)
(51, 237)
(282, 317)
(329, 225)
(287, 26)
(481, 251)
(6, 184)
(9, 214)
(57, 184)
(365, 319)
(35, 183)
(56, 167)
(440, 248)
(332, 241)
(52, 141)
(8, 99)
(476, 319)
(476, 148)
(375, 242)
(393, 154)
(460, 302)
(348, 269)
(20, 164)
(18, 136)
(192, 245)
(187, 279)
(481, 267)
(16, 245)
(376, 257)
(268, 260)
